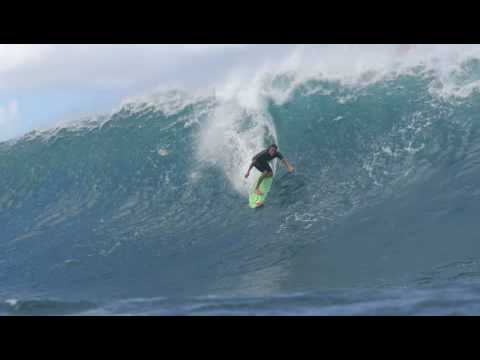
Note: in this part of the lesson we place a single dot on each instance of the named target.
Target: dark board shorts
(261, 166)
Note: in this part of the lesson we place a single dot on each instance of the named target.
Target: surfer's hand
(246, 175)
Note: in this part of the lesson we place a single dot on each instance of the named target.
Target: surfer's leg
(260, 179)
(265, 174)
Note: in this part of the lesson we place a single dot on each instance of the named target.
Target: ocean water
(144, 211)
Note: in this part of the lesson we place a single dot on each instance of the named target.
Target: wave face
(150, 201)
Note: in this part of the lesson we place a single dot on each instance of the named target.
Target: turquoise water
(145, 210)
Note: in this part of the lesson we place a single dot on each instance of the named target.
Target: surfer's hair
(273, 146)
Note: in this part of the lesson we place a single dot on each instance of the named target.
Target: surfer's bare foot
(258, 192)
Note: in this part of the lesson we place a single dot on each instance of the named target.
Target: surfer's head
(272, 149)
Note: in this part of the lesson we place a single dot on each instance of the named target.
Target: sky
(41, 85)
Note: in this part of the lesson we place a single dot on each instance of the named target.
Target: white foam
(231, 137)
(163, 152)
(352, 65)
(11, 302)
(167, 100)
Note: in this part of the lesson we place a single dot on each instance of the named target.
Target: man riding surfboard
(260, 161)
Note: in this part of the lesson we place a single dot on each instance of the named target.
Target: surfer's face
(272, 151)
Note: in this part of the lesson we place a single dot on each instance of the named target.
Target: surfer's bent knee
(268, 173)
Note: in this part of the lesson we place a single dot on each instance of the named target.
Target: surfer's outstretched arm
(289, 166)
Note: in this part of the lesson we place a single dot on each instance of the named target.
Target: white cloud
(105, 66)
(14, 56)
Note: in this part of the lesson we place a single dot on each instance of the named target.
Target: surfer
(260, 161)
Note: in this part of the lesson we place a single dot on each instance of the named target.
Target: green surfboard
(258, 200)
